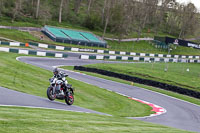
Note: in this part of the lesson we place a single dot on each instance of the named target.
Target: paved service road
(180, 114)
(15, 98)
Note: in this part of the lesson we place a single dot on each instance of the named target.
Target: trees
(161, 15)
(89, 6)
(108, 7)
(121, 17)
(16, 9)
(189, 20)
(60, 11)
(77, 4)
(37, 9)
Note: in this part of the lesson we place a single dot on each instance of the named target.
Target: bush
(92, 22)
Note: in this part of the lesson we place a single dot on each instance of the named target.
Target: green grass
(181, 50)
(6, 21)
(176, 74)
(147, 47)
(20, 36)
(26, 120)
(169, 93)
(33, 80)
(140, 47)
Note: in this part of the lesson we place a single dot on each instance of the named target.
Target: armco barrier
(102, 51)
(157, 84)
(41, 45)
(33, 52)
(134, 58)
(17, 44)
(113, 52)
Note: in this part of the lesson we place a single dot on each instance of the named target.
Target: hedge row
(157, 84)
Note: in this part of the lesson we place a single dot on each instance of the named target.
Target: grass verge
(26, 120)
(186, 75)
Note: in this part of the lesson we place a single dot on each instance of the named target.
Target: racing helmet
(55, 71)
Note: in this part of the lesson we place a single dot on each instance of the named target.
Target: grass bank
(147, 47)
(33, 80)
(177, 73)
(26, 120)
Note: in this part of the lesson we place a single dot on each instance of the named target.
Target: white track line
(34, 107)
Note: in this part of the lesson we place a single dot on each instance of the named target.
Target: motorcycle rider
(60, 76)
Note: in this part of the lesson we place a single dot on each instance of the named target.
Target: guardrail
(113, 52)
(41, 45)
(33, 52)
(134, 58)
(20, 28)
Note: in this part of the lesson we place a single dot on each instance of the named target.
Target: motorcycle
(58, 89)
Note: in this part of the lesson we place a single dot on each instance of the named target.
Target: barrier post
(132, 83)
(26, 44)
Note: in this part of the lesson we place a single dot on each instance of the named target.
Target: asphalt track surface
(180, 114)
(14, 98)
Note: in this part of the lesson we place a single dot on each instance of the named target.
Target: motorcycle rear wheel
(50, 94)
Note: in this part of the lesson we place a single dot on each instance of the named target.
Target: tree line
(121, 17)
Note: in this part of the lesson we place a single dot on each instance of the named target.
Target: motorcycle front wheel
(50, 94)
(69, 98)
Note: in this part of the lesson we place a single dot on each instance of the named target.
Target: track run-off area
(174, 112)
